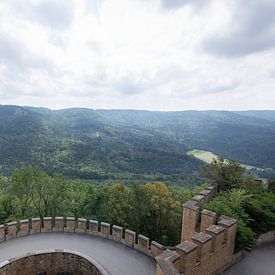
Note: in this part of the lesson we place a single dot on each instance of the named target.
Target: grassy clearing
(205, 156)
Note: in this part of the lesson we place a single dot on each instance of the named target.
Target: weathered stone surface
(105, 229)
(117, 233)
(36, 226)
(70, 224)
(47, 224)
(143, 243)
(93, 227)
(24, 228)
(156, 248)
(58, 224)
(2, 232)
(130, 237)
(11, 230)
(52, 263)
(81, 225)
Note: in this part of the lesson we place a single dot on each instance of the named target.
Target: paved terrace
(259, 261)
(116, 258)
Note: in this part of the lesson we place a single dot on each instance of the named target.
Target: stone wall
(116, 233)
(207, 245)
(52, 262)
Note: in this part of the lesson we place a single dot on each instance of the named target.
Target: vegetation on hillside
(152, 209)
(240, 197)
(125, 145)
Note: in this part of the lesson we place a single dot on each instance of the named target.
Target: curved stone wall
(52, 262)
(81, 226)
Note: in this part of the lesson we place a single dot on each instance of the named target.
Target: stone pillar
(207, 194)
(11, 230)
(105, 229)
(143, 243)
(117, 233)
(199, 199)
(230, 226)
(208, 218)
(81, 225)
(189, 220)
(2, 232)
(156, 248)
(36, 225)
(47, 221)
(188, 256)
(203, 241)
(213, 190)
(93, 227)
(70, 224)
(217, 233)
(167, 262)
(58, 224)
(24, 228)
(130, 237)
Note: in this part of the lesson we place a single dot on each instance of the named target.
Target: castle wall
(52, 262)
(207, 245)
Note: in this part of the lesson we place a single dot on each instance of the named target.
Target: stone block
(143, 243)
(130, 237)
(81, 225)
(203, 241)
(11, 230)
(208, 218)
(156, 248)
(105, 229)
(93, 227)
(70, 224)
(58, 224)
(36, 226)
(47, 221)
(190, 218)
(117, 233)
(24, 228)
(187, 251)
(2, 232)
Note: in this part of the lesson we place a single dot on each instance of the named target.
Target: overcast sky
(138, 54)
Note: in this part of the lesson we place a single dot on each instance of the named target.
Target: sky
(138, 54)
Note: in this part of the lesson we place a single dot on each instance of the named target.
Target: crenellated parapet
(74, 225)
(207, 244)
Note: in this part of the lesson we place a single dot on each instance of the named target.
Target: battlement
(116, 233)
(207, 246)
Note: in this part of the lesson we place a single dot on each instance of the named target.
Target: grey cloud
(208, 89)
(53, 14)
(177, 4)
(251, 30)
(18, 59)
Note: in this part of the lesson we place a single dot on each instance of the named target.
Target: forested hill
(127, 144)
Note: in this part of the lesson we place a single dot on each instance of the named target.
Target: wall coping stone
(186, 246)
(36, 220)
(11, 223)
(70, 219)
(24, 221)
(209, 213)
(59, 218)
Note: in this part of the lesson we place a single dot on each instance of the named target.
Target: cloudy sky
(138, 54)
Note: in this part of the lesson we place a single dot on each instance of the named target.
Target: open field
(208, 157)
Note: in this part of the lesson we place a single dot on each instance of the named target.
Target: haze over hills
(129, 144)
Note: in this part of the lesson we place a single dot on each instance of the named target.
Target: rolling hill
(129, 144)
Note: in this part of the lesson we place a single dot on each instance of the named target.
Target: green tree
(225, 174)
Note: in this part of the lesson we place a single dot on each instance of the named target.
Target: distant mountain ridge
(130, 144)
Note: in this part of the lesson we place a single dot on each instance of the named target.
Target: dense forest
(152, 209)
(127, 145)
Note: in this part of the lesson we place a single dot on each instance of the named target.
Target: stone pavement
(115, 257)
(260, 261)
